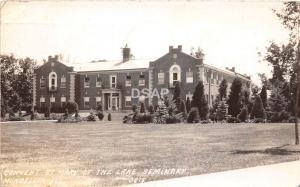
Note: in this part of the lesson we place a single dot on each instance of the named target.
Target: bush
(16, 118)
(100, 116)
(64, 119)
(233, 120)
(193, 116)
(151, 109)
(258, 120)
(91, 117)
(109, 117)
(243, 116)
(280, 116)
(171, 119)
(72, 107)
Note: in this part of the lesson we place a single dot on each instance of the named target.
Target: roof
(103, 65)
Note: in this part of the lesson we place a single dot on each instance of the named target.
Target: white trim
(51, 78)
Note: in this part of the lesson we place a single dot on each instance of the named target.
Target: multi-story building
(119, 84)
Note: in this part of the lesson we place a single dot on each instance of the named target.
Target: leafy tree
(234, 100)
(263, 96)
(199, 100)
(223, 89)
(258, 108)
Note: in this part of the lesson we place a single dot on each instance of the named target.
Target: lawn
(110, 154)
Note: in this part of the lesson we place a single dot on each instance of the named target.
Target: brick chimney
(170, 48)
(126, 53)
(179, 48)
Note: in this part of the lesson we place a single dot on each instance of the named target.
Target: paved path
(276, 175)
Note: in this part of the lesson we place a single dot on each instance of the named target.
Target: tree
(234, 100)
(142, 109)
(277, 104)
(176, 93)
(199, 100)
(188, 104)
(223, 89)
(263, 96)
(258, 108)
(290, 18)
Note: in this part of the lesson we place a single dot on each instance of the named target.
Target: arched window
(175, 74)
(52, 81)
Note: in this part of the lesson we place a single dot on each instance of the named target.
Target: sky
(231, 33)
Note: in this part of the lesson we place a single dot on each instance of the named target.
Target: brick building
(119, 84)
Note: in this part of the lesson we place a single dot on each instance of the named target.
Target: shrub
(243, 116)
(193, 116)
(258, 110)
(233, 120)
(65, 119)
(16, 118)
(134, 108)
(171, 119)
(258, 120)
(280, 116)
(100, 116)
(142, 109)
(109, 117)
(91, 117)
(151, 109)
(72, 107)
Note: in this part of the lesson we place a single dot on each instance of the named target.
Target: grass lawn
(110, 154)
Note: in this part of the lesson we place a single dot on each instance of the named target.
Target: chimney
(126, 53)
(179, 48)
(49, 58)
(170, 48)
(56, 58)
(233, 69)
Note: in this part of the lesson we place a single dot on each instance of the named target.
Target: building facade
(116, 85)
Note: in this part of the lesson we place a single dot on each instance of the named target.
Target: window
(98, 101)
(63, 82)
(142, 80)
(189, 77)
(42, 101)
(52, 81)
(86, 82)
(42, 82)
(63, 101)
(161, 78)
(127, 101)
(98, 81)
(128, 80)
(86, 103)
(174, 75)
(113, 81)
(52, 99)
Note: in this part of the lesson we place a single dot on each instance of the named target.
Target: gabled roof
(112, 65)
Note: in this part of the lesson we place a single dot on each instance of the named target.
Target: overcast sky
(230, 33)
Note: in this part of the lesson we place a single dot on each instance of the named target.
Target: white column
(72, 87)
(34, 90)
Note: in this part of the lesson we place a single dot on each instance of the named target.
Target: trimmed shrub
(151, 109)
(109, 117)
(258, 120)
(16, 118)
(100, 116)
(72, 107)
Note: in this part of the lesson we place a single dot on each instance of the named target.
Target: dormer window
(52, 81)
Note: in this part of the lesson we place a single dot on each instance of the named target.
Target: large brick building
(119, 84)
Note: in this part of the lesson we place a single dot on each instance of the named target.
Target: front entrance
(111, 101)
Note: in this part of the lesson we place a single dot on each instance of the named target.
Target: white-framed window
(63, 101)
(52, 99)
(42, 99)
(98, 101)
(42, 82)
(86, 102)
(98, 81)
(63, 81)
(142, 80)
(113, 81)
(128, 80)
(52, 81)
(127, 101)
(161, 78)
(189, 77)
(175, 75)
(86, 82)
